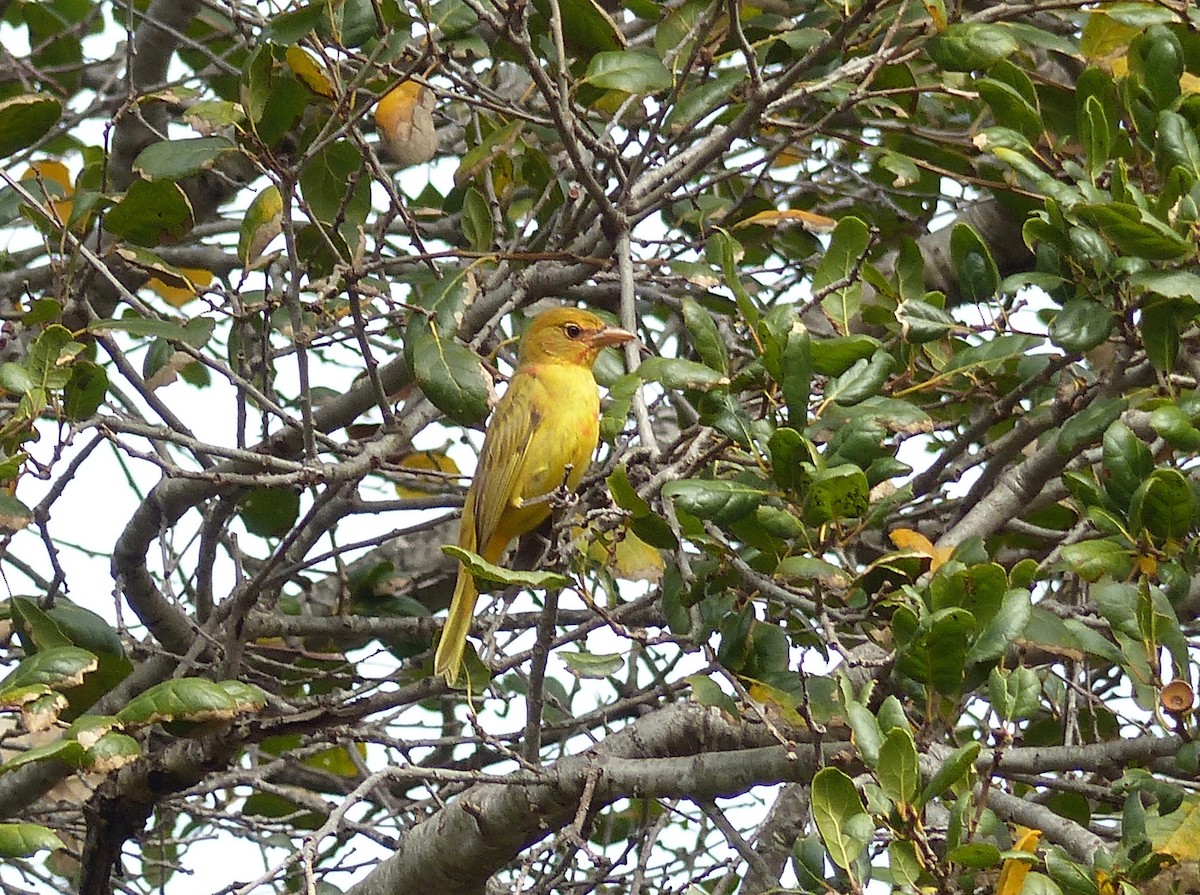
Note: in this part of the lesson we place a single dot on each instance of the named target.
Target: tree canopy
(885, 577)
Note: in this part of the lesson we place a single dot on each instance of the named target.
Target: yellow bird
(546, 424)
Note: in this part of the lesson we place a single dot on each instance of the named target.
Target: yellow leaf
(52, 171)
(426, 461)
(937, 12)
(813, 223)
(907, 539)
(1189, 83)
(309, 73)
(262, 223)
(404, 117)
(1013, 871)
(1178, 833)
(196, 279)
(638, 561)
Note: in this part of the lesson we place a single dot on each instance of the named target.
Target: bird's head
(568, 335)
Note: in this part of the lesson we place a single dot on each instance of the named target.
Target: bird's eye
(573, 330)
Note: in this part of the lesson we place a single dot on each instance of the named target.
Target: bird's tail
(448, 659)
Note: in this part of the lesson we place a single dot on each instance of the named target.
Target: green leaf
(812, 568)
(594, 666)
(1126, 461)
(25, 119)
(1134, 231)
(37, 629)
(631, 71)
(953, 769)
(1086, 426)
(978, 277)
(451, 376)
(1179, 284)
(177, 159)
(836, 355)
(1097, 559)
(269, 512)
(25, 840)
(182, 699)
(706, 691)
(704, 98)
(844, 826)
(477, 224)
(1163, 505)
(1015, 695)
(1003, 628)
(937, 653)
(586, 27)
(1096, 134)
(195, 332)
(675, 372)
(717, 500)
(978, 855)
(1081, 325)
(868, 738)
(1159, 326)
(922, 322)
(85, 391)
(1177, 144)
(60, 667)
(898, 774)
(840, 492)
(863, 380)
(14, 515)
(483, 570)
(1011, 108)
(150, 213)
(836, 273)
(968, 46)
(1072, 878)
(705, 337)
(1173, 425)
(334, 191)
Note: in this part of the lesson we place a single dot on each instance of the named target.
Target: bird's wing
(497, 480)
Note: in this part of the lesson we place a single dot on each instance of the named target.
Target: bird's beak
(611, 335)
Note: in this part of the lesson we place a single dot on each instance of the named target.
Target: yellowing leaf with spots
(404, 117)
(262, 223)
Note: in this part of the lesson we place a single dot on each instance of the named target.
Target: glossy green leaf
(483, 570)
(181, 699)
(1134, 231)
(937, 654)
(898, 774)
(675, 372)
(718, 500)
(631, 71)
(1097, 559)
(1015, 695)
(968, 46)
(25, 840)
(978, 277)
(867, 737)
(1175, 427)
(594, 666)
(1177, 144)
(1163, 505)
(1081, 325)
(1086, 426)
(177, 159)
(25, 119)
(60, 667)
(195, 332)
(954, 769)
(705, 336)
(1003, 629)
(151, 213)
(835, 277)
(922, 322)
(1159, 326)
(1126, 461)
(837, 493)
(451, 376)
(863, 380)
(844, 826)
(269, 512)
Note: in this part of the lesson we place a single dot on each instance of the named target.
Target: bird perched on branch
(541, 436)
